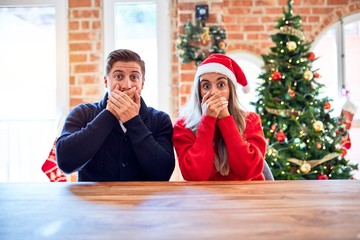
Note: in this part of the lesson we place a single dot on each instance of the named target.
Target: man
(118, 138)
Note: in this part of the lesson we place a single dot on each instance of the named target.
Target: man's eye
(118, 76)
(206, 86)
(134, 77)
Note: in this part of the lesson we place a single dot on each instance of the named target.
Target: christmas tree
(304, 139)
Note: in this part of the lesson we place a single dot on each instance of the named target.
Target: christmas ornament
(327, 106)
(206, 36)
(276, 76)
(318, 126)
(311, 56)
(222, 45)
(280, 136)
(318, 145)
(308, 75)
(314, 163)
(291, 46)
(322, 177)
(344, 151)
(316, 75)
(291, 93)
(305, 168)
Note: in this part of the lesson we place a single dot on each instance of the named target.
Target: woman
(214, 139)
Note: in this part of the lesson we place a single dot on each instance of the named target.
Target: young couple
(120, 138)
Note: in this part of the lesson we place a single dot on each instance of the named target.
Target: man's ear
(142, 84)
(105, 81)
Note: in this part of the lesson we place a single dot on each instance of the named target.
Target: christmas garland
(283, 112)
(199, 42)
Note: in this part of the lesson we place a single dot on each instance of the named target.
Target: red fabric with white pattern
(51, 169)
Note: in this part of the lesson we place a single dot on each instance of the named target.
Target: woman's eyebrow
(220, 78)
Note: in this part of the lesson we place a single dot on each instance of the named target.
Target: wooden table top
(181, 210)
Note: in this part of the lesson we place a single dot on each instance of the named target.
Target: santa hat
(225, 65)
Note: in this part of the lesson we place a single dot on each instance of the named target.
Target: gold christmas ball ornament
(291, 46)
(305, 168)
(308, 75)
(179, 41)
(318, 126)
(181, 52)
(222, 45)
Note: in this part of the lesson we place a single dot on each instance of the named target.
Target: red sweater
(196, 153)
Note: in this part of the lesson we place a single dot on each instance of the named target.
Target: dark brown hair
(124, 55)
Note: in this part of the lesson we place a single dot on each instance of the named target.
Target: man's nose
(127, 84)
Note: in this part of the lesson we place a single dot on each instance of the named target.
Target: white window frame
(163, 43)
(339, 40)
(62, 83)
(62, 72)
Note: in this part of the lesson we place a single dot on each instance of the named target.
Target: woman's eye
(222, 84)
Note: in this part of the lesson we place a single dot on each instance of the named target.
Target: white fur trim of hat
(222, 64)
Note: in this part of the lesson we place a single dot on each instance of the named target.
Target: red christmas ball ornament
(291, 93)
(318, 145)
(276, 76)
(316, 75)
(311, 56)
(273, 127)
(280, 136)
(344, 152)
(327, 106)
(322, 176)
(293, 169)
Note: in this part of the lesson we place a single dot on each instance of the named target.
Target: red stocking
(51, 169)
(347, 114)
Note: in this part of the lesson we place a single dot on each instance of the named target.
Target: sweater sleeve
(80, 139)
(195, 153)
(154, 150)
(245, 152)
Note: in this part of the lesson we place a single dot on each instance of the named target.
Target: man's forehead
(126, 66)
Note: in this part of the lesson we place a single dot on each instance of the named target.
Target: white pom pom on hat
(222, 64)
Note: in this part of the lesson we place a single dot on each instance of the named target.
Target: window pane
(352, 59)
(27, 61)
(252, 72)
(27, 91)
(251, 66)
(327, 65)
(135, 29)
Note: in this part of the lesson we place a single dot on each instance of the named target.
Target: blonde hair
(192, 113)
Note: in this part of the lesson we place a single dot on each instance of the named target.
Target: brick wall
(248, 24)
(85, 51)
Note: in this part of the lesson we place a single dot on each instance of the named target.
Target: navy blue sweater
(93, 143)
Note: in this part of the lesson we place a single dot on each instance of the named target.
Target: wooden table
(181, 210)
